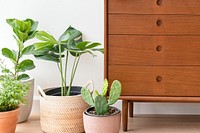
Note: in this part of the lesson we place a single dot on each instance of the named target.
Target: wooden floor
(138, 124)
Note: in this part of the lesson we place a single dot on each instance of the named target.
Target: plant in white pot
(101, 117)
(61, 108)
(24, 30)
(12, 94)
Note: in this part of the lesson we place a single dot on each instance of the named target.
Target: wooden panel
(179, 99)
(105, 38)
(141, 81)
(154, 24)
(152, 7)
(154, 50)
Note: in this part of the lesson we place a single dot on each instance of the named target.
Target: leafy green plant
(59, 51)
(99, 101)
(12, 91)
(23, 30)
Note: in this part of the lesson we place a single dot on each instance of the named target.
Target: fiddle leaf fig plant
(99, 101)
(23, 31)
(59, 51)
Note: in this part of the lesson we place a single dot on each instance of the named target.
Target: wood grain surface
(153, 50)
(154, 24)
(157, 80)
(154, 6)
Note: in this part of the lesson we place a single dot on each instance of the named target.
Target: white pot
(25, 110)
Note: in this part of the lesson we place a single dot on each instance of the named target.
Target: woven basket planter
(61, 114)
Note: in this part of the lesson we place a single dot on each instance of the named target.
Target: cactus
(99, 101)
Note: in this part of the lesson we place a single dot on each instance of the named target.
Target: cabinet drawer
(157, 80)
(154, 6)
(153, 50)
(154, 24)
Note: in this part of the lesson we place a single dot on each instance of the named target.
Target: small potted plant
(24, 30)
(101, 117)
(12, 94)
(61, 107)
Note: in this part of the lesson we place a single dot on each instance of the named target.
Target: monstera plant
(59, 51)
(65, 101)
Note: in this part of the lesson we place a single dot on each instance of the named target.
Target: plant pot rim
(27, 80)
(107, 115)
(7, 113)
(56, 87)
(10, 110)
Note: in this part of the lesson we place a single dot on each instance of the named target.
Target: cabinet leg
(131, 108)
(124, 114)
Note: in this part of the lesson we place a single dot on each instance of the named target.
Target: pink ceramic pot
(102, 124)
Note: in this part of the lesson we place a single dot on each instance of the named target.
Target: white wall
(55, 16)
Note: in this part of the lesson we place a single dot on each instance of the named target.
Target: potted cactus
(101, 117)
(23, 30)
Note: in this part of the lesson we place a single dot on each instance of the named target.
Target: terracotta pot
(102, 124)
(8, 121)
(61, 114)
(25, 110)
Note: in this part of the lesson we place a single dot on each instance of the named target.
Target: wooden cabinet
(153, 48)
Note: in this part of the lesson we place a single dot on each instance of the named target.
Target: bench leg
(124, 114)
(131, 105)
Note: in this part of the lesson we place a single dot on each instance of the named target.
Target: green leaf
(82, 45)
(42, 48)
(34, 24)
(93, 45)
(47, 57)
(23, 77)
(105, 87)
(96, 93)
(26, 65)
(101, 105)
(56, 48)
(32, 35)
(70, 34)
(28, 50)
(9, 54)
(44, 36)
(115, 92)
(87, 96)
(99, 50)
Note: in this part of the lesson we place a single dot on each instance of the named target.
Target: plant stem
(17, 62)
(61, 71)
(66, 62)
(74, 68)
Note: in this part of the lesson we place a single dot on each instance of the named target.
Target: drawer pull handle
(159, 48)
(158, 78)
(159, 2)
(159, 22)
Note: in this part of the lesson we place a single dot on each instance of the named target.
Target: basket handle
(90, 82)
(41, 92)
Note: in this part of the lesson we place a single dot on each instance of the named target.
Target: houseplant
(62, 107)
(24, 30)
(101, 117)
(12, 93)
